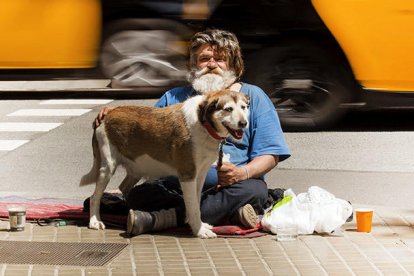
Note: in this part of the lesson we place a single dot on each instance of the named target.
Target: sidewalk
(387, 250)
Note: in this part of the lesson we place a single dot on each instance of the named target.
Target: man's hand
(101, 115)
(229, 174)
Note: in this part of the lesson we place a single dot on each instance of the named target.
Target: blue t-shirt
(263, 136)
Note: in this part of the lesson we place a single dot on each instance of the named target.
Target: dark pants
(217, 207)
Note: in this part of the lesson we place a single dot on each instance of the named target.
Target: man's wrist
(246, 171)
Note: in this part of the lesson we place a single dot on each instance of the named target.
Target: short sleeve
(266, 135)
(162, 102)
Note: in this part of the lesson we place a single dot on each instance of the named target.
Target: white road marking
(9, 127)
(8, 145)
(49, 112)
(77, 101)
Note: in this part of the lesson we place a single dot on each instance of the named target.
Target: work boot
(140, 222)
(245, 216)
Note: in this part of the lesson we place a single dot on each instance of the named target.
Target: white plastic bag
(315, 211)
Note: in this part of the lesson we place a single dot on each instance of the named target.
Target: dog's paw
(206, 225)
(98, 225)
(206, 233)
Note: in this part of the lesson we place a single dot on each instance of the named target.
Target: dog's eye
(229, 109)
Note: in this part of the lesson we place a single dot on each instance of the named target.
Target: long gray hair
(224, 41)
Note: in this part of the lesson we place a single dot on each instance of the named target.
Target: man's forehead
(208, 50)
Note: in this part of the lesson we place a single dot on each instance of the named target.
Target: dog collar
(212, 132)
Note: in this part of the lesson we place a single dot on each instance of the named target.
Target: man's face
(211, 71)
(208, 56)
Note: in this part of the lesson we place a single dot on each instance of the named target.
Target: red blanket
(39, 211)
(52, 211)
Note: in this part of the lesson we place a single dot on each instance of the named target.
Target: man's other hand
(101, 115)
(229, 174)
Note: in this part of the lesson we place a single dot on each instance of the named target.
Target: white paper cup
(17, 217)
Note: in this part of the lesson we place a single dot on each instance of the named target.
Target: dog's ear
(201, 111)
(205, 109)
(247, 99)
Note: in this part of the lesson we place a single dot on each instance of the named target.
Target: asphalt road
(367, 159)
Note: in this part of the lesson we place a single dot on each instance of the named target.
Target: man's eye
(229, 109)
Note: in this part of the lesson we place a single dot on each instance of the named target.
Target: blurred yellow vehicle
(134, 43)
(377, 37)
(49, 33)
(327, 56)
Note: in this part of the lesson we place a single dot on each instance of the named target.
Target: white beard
(205, 81)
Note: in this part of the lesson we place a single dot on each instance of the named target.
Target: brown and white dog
(180, 140)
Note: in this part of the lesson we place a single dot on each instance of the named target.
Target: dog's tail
(92, 175)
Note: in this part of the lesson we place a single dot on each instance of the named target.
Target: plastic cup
(286, 233)
(364, 219)
(17, 217)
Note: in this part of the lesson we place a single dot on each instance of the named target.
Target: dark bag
(155, 195)
(111, 203)
(148, 197)
(273, 197)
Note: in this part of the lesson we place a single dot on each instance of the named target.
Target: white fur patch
(226, 159)
(190, 109)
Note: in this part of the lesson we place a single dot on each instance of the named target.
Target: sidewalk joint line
(158, 257)
(288, 258)
(131, 257)
(314, 257)
(185, 263)
(388, 252)
(210, 259)
(233, 254)
(258, 252)
(336, 252)
(364, 255)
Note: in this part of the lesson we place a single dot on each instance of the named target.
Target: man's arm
(259, 166)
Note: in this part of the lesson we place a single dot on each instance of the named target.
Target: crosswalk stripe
(49, 112)
(77, 101)
(7, 145)
(9, 127)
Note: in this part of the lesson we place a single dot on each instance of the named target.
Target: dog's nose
(243, 123)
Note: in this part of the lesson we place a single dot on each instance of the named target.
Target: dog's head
(226, 112)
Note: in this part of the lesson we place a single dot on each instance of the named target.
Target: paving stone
(388, 249)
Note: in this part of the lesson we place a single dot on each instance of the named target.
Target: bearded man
(237, 192)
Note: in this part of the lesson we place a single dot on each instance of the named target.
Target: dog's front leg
(200, 183)
(192, 206)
